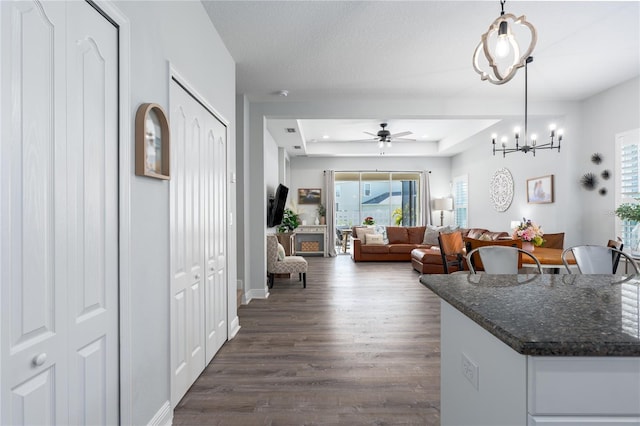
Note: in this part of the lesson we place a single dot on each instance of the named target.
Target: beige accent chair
(290, 264)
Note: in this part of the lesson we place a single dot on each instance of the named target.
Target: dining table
(549, 258)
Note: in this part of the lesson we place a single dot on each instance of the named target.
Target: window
(390, 198)
(627, 184)
(461, 201)
(338, 191)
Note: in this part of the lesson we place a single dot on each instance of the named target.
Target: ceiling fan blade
(372, 134)
(399, 135)
(403, 139)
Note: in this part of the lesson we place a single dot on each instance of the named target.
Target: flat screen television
(276, 207)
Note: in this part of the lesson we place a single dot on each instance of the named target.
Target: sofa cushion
(416, 234)
(401, 248)
(281, 252)
(431, 233)
(361, 231)
(374, 249)
(373, 239)
(397, 235)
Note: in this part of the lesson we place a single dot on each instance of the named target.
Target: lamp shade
(443, 204)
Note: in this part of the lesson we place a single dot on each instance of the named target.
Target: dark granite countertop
(550, 315)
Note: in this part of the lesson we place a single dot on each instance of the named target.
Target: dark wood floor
(359, 346)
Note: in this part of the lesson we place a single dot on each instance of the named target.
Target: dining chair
(616, 244)
(452, 251)
(473, 243)
(555, 241)
(500, 259)
(592, 259)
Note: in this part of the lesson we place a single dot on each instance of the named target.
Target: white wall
(603, 116)
(181, 33)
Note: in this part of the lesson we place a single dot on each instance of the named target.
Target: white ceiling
(390, 50)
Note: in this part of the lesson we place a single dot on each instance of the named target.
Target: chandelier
(499, 47)
(529, 144)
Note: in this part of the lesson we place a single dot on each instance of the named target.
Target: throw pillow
(281, 252)
(373, 239)
(431, 234)
(382, 230)
(485, 237)
(360, 232)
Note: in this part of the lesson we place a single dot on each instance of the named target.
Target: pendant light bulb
(503, 45)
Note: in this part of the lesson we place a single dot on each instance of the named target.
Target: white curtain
(330, 204)
(425, 196)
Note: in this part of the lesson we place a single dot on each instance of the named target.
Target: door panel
(33, 401)
(32, 196)
(198, 238)
(92, 124)
(58, 223)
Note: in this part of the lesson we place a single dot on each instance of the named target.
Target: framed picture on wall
(540, 190)
(309, 195)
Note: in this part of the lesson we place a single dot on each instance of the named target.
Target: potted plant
(629, 211)
(397, 216)
(369, 221)
(322, 213)
(290, 221)
(530, 234)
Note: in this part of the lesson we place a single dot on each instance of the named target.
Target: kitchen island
(539, 349)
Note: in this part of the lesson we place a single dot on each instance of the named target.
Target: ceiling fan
(386, 137)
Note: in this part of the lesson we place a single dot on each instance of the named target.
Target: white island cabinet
(539, 351)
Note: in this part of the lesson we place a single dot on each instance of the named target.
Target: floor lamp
(443, 204)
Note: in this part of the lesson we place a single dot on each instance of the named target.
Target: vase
(527, 246)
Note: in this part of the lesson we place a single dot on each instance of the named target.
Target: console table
(309, 240)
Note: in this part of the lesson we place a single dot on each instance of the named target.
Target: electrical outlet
(470, 371)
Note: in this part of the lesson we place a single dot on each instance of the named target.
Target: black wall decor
(596, 158)
(589, 181)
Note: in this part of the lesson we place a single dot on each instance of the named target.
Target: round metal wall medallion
(501, 189)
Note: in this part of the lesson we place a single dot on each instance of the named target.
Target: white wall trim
(163, 417)
(254, 294)
(124, 201)
(234, 328)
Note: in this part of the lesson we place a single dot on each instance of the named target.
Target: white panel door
(58, 222)
(92, 197)
(198, 238)
(215, 154)
(187, 301)
(34, 365)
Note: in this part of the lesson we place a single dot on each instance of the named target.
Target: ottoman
(428, 261)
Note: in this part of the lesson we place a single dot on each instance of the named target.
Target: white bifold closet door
(59, 215)
(198, 238)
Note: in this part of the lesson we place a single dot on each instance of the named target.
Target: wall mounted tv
(276, 206)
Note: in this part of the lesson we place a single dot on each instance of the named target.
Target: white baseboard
(164, 416)
(234, 328)
(255, 294)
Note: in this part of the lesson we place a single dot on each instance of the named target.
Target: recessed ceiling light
(283, 93)
(425, 136)
(325, 136)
